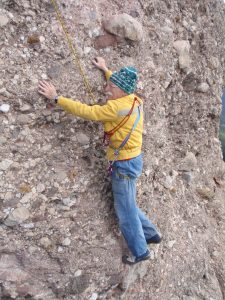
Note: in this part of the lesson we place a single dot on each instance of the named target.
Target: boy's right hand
(99, 62)
(47, 89)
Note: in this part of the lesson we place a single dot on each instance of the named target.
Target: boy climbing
(122, 117)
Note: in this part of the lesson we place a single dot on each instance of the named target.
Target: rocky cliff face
(59, 234)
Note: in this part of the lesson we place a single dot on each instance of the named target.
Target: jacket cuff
(108, 73)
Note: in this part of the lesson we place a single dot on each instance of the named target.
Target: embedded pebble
(203, 87)
(5, 108)
(5, 164)
(78, 273)
(17, 216)
(45, 242)
(147, 173)
(171, 243)
(66, 242)
(28, 225)
(3, 20)
(94, 296)
(40, 188)
(82, 139)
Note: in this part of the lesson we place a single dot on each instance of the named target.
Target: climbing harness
(109, 134)
(73, 50)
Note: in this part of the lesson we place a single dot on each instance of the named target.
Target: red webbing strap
(125, 119)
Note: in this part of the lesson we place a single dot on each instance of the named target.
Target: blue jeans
(134, 224)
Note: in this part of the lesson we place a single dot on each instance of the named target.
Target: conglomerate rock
(59, 233)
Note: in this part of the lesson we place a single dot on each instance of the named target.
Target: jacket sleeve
(104, 113)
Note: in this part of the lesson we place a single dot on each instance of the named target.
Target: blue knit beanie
(125, 79)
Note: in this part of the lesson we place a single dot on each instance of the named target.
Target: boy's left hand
(99, 62)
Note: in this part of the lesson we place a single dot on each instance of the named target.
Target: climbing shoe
(156, 239)
(132, 260)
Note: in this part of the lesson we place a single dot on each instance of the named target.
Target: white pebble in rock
(2, 140)
(40, 188)
(4, 108)
(78, 273)
(42, 38)
(94, 296)
(5, 164)
(203, 87)
(3, 20)
(60, 249)
(28, 225)
(47, 148)
(167, 30)
(26, 198)
(45, 242)
(66, 242)
(152, 256)
(25, 107)
(94, 33)
(215, 253)
(147, 173)
(87, 50)
(171, 243)
(168, 182)
(83, 139)
(69, 202)
(107, 50)
(44, 76)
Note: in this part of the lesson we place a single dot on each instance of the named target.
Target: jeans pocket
(117, 174)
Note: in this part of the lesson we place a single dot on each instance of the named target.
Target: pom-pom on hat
(125, 79)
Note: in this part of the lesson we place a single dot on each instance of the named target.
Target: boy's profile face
(112, 91)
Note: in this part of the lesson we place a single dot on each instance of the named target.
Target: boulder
(125, 26)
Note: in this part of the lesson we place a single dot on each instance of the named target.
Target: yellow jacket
(111, 115)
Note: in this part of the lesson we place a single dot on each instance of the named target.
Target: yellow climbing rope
(73, 49)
